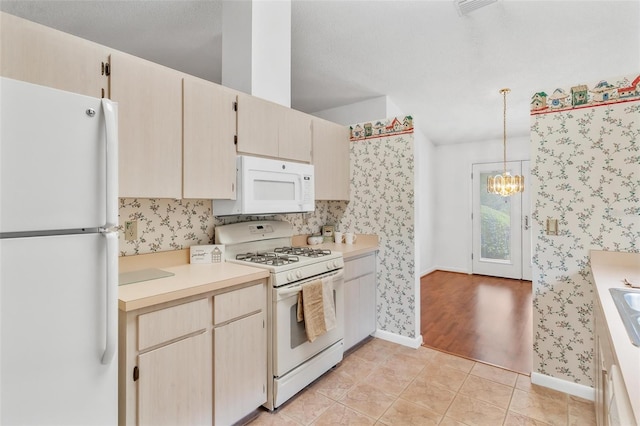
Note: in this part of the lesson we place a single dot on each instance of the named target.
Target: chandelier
(505, 184)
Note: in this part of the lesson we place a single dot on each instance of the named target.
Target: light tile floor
(384, 383)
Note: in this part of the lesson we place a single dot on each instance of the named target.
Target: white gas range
(293, 361)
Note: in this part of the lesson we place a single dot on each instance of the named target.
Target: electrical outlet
(131, 230)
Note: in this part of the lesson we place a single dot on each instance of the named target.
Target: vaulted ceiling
(442, 68)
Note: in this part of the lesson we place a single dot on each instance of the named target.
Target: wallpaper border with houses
(381, 128)
(604, 92)
(585, 174)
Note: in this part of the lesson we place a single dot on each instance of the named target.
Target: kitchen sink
(633, 300)
(628, 304)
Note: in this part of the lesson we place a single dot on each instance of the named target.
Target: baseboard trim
(412, 342)
(575, 389)
(457, 270)
(428, 271)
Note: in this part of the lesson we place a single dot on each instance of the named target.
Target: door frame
(519, 266)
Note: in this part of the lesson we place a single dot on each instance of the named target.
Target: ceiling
(443, 69)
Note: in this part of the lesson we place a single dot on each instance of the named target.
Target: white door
(501, 245)
(53, 319)
(527, 250)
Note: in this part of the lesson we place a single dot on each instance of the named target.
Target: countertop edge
(185, 284)
(364, 244)
(191, 280)
(603, 264)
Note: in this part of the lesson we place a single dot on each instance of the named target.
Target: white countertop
(364, 244)
(187, 279)
(609, 269)
(192, 279)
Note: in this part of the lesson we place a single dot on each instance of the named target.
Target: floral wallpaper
(382, 203)
(586, 175)
(167, 224)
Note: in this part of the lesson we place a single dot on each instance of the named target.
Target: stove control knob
(299, 274)
(329, 265)
(289, 276)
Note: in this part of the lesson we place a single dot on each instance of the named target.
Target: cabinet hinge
(235, 106)
(136, 373)
(235, 139)
(471, 256)
(106, 69)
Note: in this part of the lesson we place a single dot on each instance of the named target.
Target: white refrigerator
(58, 257)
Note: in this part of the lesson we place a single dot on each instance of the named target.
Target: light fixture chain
(505, 184)
(504, 127)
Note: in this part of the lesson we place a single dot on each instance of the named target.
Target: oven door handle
(298, 287)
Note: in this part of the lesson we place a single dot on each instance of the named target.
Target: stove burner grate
(303, 251)
(268, 258)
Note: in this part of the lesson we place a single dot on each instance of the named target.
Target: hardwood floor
(478, 317)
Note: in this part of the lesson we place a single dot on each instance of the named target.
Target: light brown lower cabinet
(176, 387)
(360, 295)
(240, 368)
(197, 361)
(613, 407)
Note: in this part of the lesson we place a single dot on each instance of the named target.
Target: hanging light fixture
(505, 184)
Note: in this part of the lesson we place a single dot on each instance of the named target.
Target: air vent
(467, 6)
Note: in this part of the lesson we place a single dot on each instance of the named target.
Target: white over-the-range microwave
(267, 186)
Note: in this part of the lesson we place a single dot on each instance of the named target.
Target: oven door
(291, 347)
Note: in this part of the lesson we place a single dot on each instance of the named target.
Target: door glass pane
(495, 223)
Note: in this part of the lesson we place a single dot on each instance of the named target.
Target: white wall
(360, 112)
(425, 203)
(452, 180)
(256, 48)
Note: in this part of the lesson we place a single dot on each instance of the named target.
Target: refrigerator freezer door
(53, 332)
(52, 159)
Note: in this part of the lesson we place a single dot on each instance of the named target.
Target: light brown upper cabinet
(271, 130)
(149, 100)
(209, 151)
(294, 135)
(331, 160)
(41, 55)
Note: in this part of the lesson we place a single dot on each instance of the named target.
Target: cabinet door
(360, 296)
(41, 55)
(367, 301)
(331, 160)
(175, 385)
(257, 126)
(294, 133)
(351, 296)
(149, 100)
(209, 163)
(360, 318)
(240, 368)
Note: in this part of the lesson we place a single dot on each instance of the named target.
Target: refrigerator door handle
(111, 130)
(111, 297)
